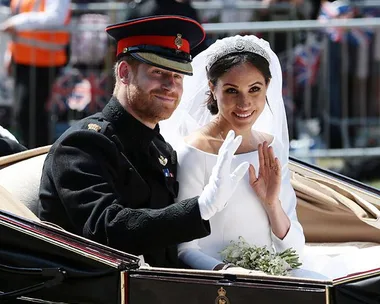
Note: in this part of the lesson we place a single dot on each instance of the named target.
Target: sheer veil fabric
(192, 112)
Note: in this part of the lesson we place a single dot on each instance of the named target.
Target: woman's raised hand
(222, 182)
(268, 182)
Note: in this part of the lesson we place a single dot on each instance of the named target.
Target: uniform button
(130, 169)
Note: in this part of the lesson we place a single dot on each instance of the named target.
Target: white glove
(222, 182)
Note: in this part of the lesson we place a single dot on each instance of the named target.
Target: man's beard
(146, 109)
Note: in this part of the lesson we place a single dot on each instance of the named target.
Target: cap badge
(163, 160)
(94, 127)
(178, 41)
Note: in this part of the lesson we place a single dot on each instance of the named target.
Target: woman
(243, 80)
(244, 83)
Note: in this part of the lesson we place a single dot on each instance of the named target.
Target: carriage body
(41, 262)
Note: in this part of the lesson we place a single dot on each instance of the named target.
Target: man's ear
(124, 72)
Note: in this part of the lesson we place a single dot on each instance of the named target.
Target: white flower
(260, 258)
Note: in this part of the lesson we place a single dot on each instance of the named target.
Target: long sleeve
(191, 178)
(191, 254)
(294, 238)
(101, 198)
(54, 15)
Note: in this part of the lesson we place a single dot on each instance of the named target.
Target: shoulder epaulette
(97, 124)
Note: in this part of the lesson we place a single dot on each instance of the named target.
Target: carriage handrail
(337, 153)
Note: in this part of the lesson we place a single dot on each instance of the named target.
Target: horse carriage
(42, 263)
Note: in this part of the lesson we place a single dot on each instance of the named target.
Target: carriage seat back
(22, 180)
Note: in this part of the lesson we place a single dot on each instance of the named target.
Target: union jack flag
(306, 63)
(340, 9)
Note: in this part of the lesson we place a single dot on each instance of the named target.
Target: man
(34, 57)
(111, 177)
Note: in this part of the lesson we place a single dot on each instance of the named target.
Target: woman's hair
(227, 62)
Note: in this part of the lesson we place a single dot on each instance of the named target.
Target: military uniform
(111, 179)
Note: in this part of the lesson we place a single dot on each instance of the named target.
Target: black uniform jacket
(112, 179)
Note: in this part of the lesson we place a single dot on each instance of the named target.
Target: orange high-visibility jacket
(38, 48)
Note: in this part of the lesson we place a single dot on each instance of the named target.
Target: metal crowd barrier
(306, 52)
(317, 99)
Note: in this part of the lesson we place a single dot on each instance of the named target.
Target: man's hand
(222, 182)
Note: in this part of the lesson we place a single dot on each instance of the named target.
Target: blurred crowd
(81, 83)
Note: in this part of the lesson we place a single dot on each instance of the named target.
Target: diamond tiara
(240, 45)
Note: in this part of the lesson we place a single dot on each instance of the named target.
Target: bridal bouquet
(260, 258)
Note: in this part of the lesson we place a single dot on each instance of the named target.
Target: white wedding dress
(244, 215)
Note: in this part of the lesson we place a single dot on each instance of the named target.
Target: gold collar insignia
(94, 127)
(163, 160)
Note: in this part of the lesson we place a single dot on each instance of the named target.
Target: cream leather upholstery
(331, 210)
(22, 180)
(9, 204)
